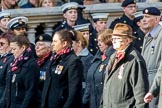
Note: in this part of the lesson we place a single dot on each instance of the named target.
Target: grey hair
(48, 44)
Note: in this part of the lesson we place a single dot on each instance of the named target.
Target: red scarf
(41, 60)
(21, 59)
(120, 55)
(60, 53)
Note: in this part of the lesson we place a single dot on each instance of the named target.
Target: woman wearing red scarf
(23, 77)
(43, 52)
(63, 83)
(96, 73)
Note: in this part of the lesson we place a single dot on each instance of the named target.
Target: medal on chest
(101, 67)
(13, 78)
(121, 70)
(59, 69)
(42, 75)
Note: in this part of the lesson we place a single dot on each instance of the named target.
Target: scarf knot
(17, 63)
(120, 55)
(56, 56)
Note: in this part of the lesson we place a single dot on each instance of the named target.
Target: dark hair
(8, 36)
(21, 40)
(66, 35)
(106, 36)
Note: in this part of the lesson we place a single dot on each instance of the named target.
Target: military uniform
(95, 79)
(63, 25)
(62, 87)
(22, 85)
(5, 61)
(138, 42)
(92, 46)
(126, 20)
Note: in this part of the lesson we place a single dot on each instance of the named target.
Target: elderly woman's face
(42, 48)
(16, 50)
(4, 46)
(102, 46)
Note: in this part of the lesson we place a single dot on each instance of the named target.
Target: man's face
(120, 43)
(20, 31)
(130, 9)
(100, 25)
(71, 15)
(149, 21)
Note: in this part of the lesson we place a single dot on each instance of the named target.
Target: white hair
(48, 44)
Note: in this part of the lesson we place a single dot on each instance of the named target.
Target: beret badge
(20, 21)
(146, 10)
(40, 38)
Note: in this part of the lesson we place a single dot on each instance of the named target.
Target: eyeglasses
(2, 44)
(131, 7)
(117, 39)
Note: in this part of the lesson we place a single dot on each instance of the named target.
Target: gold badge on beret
(146, 10)
(20, 21)
(40, 38)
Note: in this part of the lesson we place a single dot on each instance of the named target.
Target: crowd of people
(83, 64)
(14, 4)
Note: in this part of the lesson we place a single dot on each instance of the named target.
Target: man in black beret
(152, 45)
(129, 8)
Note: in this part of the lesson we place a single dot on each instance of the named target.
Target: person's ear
(64, 15)
(23, 47)
(65, 44)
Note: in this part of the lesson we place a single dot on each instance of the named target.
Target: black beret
(44, 38)
(127, 2)
(152, 11)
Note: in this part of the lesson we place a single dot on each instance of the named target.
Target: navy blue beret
(43, 38)
(127, 2)
(152, 11)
